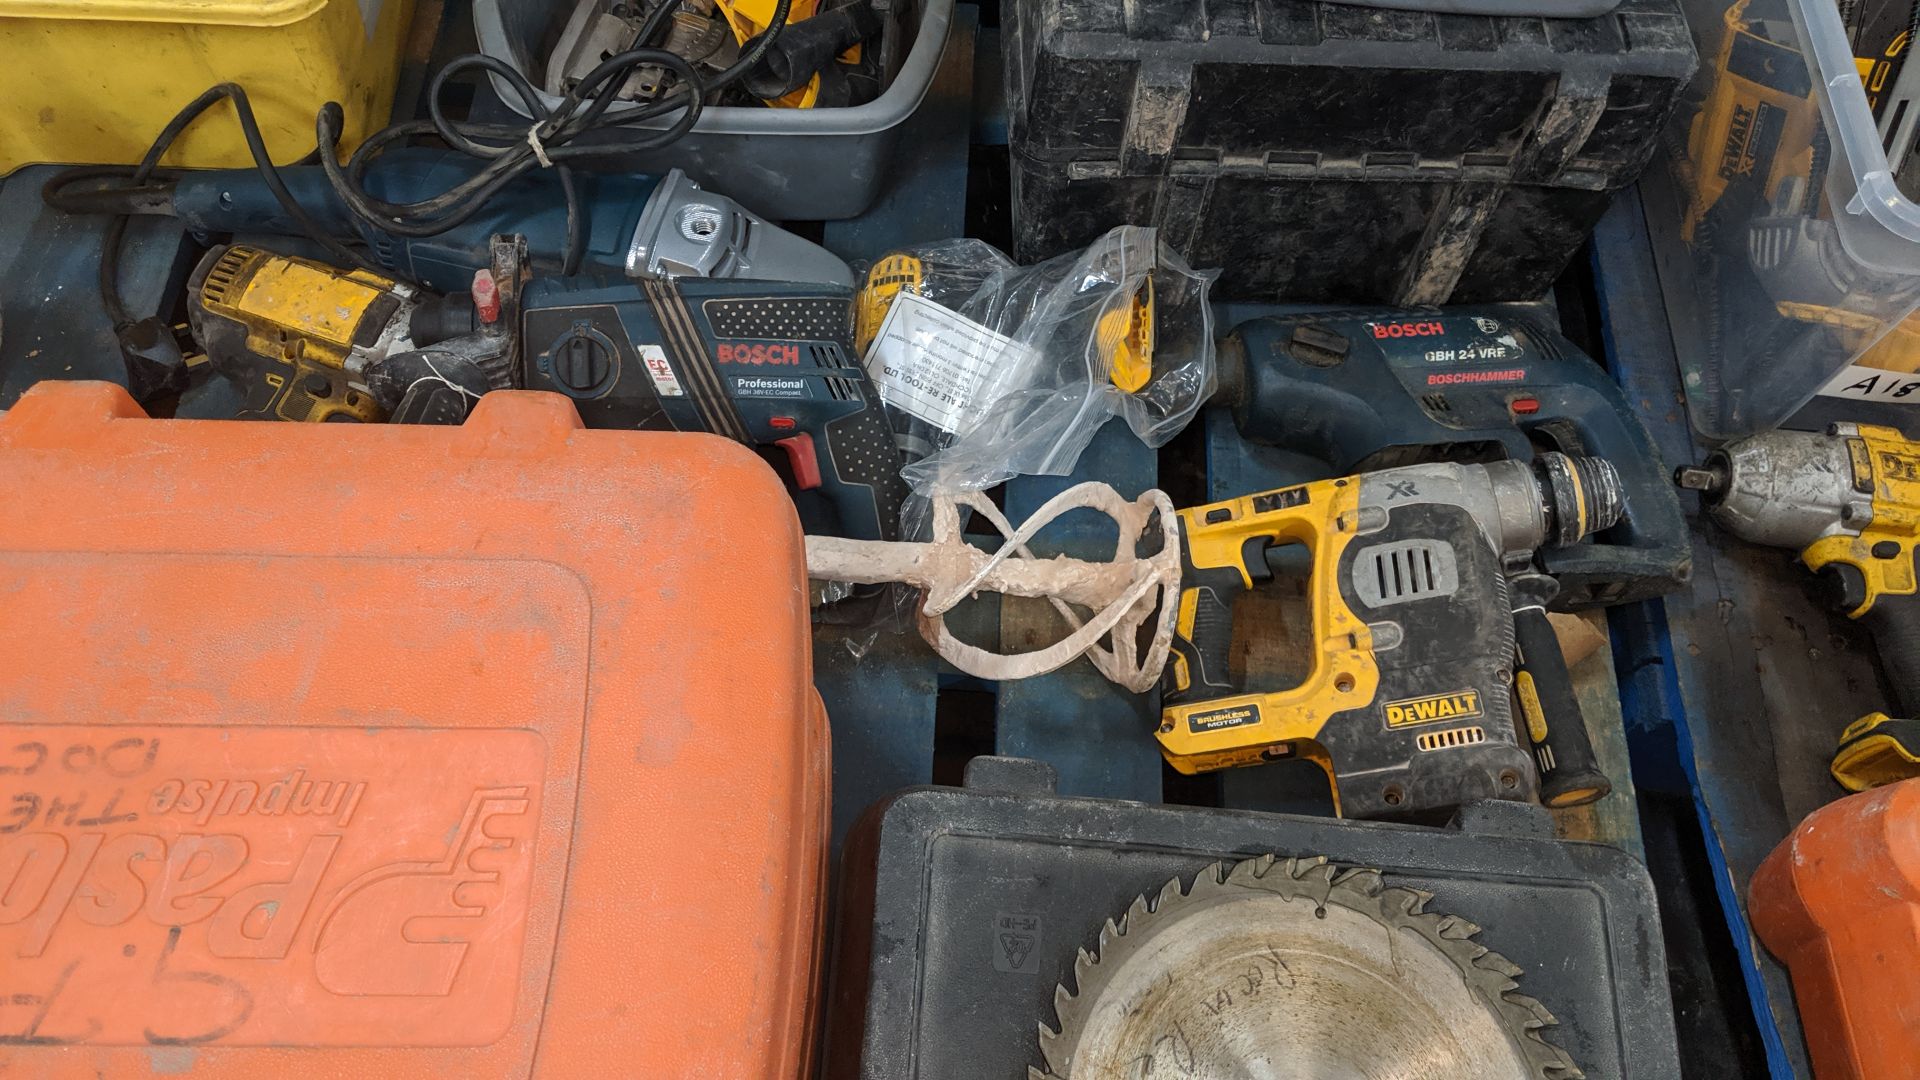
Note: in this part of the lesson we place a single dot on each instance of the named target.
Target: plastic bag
(991, 370)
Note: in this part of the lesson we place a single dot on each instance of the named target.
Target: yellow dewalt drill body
(1755, 131)
(296, 335)
(1751, 166)
(1407, 704)
(1849, 502)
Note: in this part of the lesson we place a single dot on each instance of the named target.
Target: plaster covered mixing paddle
(1121, 593)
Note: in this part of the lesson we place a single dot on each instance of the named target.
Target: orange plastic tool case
(1839, 902)
(343, 751)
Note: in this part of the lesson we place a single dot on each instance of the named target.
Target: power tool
(1364, 389)
(768, 364)
(1848, 501)
(1406, 706)
(638, 225)
(305, 341)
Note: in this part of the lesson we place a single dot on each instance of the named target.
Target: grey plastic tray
(788, 164)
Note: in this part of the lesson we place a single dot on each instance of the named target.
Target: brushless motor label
(1231, 716)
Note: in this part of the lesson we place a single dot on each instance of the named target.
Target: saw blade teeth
(1207, 882)
(1488, 976)
(1086, 961)
(1400, 904)
(1367, 882)
(1493, 961)
(1240, 873)
(1541, 1015)
(1312, 865)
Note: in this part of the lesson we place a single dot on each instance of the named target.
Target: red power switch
(1525, 406)
(486, 297)
(806, 467)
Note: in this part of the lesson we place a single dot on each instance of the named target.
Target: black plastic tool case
(1330, 153)
(933, 878)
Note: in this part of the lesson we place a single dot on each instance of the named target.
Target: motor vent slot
(220, 279)
(1404, 571)
(1451, 739)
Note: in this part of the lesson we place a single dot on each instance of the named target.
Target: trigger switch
(1253, 556)
(1845, 586)
(806, 466)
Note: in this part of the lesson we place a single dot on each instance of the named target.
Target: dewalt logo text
(1425, 710)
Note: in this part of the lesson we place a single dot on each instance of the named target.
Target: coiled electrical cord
(510, 150)
(138, 186)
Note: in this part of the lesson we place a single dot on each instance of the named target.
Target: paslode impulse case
(343, 750)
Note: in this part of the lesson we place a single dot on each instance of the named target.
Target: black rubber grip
(1894, 622)
(1569, 771)
(861, 471)
(1206, 646)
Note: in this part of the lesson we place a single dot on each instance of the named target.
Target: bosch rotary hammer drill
(1375, 388)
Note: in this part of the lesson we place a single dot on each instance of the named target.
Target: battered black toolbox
(1331, 153)
(961, 910)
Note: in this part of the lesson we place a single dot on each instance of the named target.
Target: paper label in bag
(931, 363)
(1862, 383)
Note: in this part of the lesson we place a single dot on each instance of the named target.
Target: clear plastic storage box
(1789, 256)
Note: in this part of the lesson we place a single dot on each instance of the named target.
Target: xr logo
(1401, 489)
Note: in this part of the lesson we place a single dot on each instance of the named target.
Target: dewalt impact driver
(1849, 502)
(1426, 613)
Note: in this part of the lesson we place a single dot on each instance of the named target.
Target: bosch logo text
(758, 352)
(1408, 329)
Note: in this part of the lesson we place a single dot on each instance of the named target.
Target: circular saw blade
(1294, 969)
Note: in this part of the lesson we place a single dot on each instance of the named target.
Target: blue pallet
(1736, 686)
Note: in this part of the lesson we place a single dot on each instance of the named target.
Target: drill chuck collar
(1580, 495)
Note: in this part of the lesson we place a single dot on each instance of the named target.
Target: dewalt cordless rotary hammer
(1421, 579)
(1849, 502)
